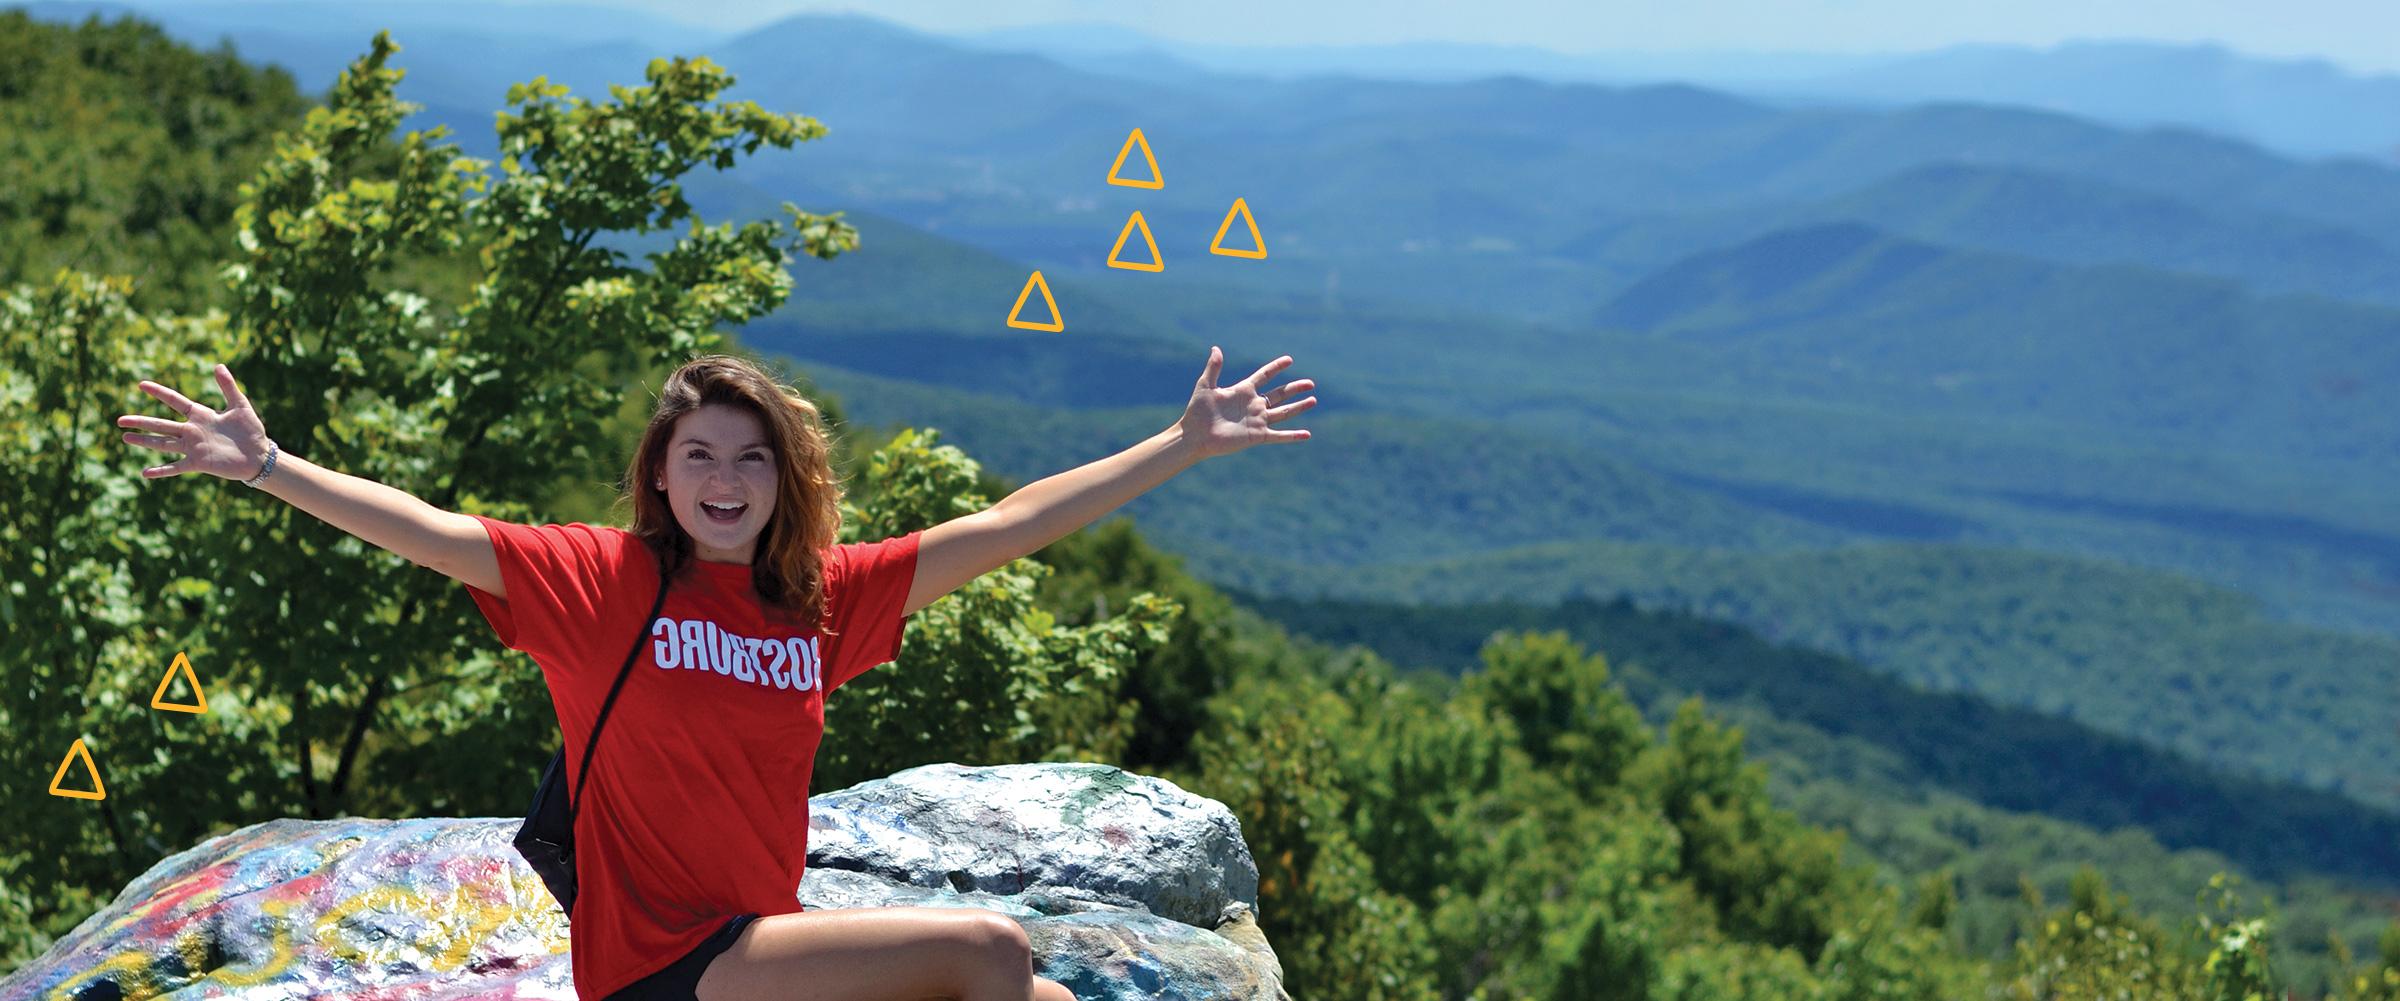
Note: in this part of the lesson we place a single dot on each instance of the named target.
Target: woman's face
(718, 457)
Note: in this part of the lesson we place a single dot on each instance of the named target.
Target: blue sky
(2361, 35)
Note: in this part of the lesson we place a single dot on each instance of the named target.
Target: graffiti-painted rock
(1128, 886)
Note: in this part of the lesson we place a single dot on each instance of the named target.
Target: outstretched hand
(231, 443)
(1221, 421)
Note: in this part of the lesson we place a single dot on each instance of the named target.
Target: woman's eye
(695, 454)
(755, 455)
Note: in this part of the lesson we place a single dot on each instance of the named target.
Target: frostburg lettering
(698, 645)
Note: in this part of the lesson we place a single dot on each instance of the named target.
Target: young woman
(693, 832)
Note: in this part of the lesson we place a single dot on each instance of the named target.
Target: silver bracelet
(265, 469)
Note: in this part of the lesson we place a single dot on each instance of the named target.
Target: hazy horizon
(2354, 36)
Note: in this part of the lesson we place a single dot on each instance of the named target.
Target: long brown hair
(787, 568)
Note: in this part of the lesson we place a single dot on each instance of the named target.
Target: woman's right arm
(232, 444)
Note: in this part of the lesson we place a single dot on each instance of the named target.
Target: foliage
(1485, 872)
(986, 676)
(1571, 722)
(1103, 568)
(2379, 981)
(120, 151)
(1926, 782)
(1272, 756)
(2096, 946)
(91, 620)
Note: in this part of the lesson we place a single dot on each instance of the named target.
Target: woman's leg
(879, 954)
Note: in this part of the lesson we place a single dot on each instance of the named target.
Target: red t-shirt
(697, 808)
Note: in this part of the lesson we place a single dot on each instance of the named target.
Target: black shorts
(680, 981)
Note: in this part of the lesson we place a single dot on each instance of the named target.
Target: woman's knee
(1002, 937)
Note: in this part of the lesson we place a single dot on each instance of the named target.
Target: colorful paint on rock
(1127, 886)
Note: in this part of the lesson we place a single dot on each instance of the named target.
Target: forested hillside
(123, 149)
(2180, 664)
(1917, 778)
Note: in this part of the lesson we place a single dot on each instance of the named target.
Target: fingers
(1216, 363)
(158, 442)
(171, 469)
(1279, 413)
(177, 400)
(1266, 370)
(233, 393)
(153, 425)
(1289, 388)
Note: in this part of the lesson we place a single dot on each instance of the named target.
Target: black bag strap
(583, 771)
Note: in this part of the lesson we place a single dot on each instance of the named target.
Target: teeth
(721, 507)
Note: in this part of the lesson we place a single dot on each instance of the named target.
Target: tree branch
(61, 495)
(550, 285)
(365, 716)
(474, 437)
(108, 811)
(308, 769)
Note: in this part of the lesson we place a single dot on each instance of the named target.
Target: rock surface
(1128, 886)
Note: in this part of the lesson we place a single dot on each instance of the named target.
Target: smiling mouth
(723, 516)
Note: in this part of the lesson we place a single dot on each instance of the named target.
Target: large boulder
(1128, 886)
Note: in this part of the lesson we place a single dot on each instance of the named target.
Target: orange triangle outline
(1157, 180)
(1058, 320)
(158, 699)
(1241, 207)
(98, 791)
(1158, 262)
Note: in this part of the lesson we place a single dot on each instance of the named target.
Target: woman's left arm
(1218, 421)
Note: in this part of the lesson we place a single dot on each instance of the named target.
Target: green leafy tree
(1772, 879)
(1603, 932)
(2378, 981)
(1571, 718)
(1876, 955)
(985, 675)
(2098, 946)
(1736, 971)
(1271, 755)
(91, 626)
(1102, 569)
(2236, 967)
(2093, 948)
(1551, 871)
(1937, 900)
(1416, 767)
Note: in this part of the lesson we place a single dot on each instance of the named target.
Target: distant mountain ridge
(2057, 216)
(997, 149)
(2303, 107)
(1846, 311)
(1107, 45)
(2308, 107)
